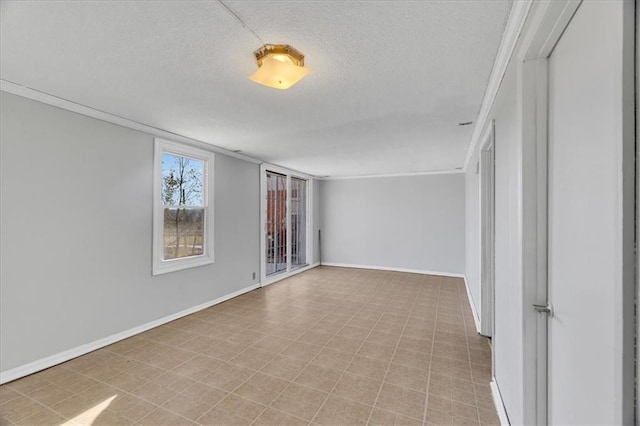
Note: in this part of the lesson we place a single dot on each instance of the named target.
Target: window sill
(165, 267)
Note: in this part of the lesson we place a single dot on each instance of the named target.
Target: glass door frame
(290, 269)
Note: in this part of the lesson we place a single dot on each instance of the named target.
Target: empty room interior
(319, 212)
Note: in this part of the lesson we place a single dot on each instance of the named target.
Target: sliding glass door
(276, 227)
(286, 224)
(298, 222)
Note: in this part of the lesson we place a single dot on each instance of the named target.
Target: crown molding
(390, 175)
(515, 23)
(36, 95)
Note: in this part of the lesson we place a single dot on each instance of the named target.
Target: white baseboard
(476, 318)
(50, 361)
(387, 268)
(277, 278)
(497, 401)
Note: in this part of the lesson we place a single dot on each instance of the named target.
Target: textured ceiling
(390, 80)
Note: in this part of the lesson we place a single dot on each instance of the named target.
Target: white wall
(472, 234)
(411, 222)
(508, 331)
(514, 370)
(76, 223)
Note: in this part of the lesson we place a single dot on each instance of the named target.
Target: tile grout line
(46, 407)
(433, 343)
(195, 380)
(255, 372)
(354, 355)
(391, 361)
(350, 361)
(165, 371)
(231, 392)
(118, 364)
(50, 408)
(292, 381)
(464, 321)
(311, 361)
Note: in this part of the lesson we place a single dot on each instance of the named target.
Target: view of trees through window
(184, 206)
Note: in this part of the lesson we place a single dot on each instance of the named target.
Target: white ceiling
(390, 80)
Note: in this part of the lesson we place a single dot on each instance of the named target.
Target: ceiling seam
(239, 19)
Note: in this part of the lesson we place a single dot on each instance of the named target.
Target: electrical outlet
(253, 275)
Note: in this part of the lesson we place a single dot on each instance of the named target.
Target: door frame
(487, 230)
(547, 23)
(637, 277)
(264, 279)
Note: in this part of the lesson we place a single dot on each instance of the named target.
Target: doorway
(578, 76)
(487, 231)
(285, 198)
(276, 226)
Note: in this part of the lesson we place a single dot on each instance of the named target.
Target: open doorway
(487, 231)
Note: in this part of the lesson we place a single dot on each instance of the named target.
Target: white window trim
(161, 266)
(264, 167)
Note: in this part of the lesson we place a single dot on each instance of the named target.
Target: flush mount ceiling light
(280, 66)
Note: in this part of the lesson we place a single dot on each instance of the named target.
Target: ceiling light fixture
(280, 66)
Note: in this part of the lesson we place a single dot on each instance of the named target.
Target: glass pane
(183, 232)
(298, 222)
(276, 238)
(182, 181)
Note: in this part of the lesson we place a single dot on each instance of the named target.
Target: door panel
(286, 225)
(585, 135)
(298, 222)
(276, 226)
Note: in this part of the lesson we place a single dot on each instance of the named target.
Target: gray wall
(472, 234)
(412, 222)
(76, 225)
(508, 335)
(513, 314)
(508, 332)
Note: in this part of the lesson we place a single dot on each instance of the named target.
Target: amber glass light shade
(280, 66)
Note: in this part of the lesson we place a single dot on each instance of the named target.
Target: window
(183, 212)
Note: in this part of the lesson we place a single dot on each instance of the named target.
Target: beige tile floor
(331, 346)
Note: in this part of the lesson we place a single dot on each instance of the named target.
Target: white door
(585, 140)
